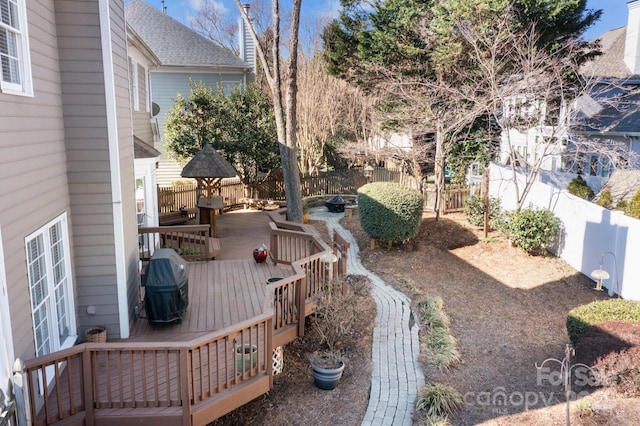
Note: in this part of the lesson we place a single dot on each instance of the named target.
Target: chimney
(247, 46)
(632, 43)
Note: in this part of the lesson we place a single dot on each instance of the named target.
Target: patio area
(224, 291)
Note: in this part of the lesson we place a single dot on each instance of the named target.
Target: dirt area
(508, 313)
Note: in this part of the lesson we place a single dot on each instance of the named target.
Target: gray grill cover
(166, 287)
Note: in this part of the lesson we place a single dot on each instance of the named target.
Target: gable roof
(611, 63)
(208, 163)
(619, 112)
(175, 44)
(141, 149)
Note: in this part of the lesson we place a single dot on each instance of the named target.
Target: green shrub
(474, 209)
(606, 199)
(582, 318)
(438, 399)
(579, 188)
(389, 211)
(533, 229)
(633, 210)
(623, 205)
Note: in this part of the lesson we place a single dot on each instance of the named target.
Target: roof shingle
(175, 44)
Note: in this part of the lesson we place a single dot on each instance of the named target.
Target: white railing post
(21, 392)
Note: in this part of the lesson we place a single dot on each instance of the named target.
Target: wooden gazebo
(208, 168)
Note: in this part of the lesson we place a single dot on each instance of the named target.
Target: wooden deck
(221, 293)
(190, 372)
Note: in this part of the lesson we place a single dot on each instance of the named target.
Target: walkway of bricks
(397, 374)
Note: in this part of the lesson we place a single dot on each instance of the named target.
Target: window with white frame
(49, 270)
(15, 67)
(229, 86)
(133, 76)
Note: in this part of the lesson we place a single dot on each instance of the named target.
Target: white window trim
(25, 88)
(134, 85)
(70, 340)
(147, 95)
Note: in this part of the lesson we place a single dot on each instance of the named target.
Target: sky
(614, 12)
(614, 16)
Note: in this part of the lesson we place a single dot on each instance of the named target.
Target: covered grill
(335, 204)
(166, 286)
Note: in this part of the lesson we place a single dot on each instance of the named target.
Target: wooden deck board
(221, 293)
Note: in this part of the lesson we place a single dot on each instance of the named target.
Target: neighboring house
(608, 113)
(145, 128)
(68, 231)
(184, 57)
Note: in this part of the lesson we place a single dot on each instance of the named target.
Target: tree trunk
(439, 168)
(290, 160)
(285, 112)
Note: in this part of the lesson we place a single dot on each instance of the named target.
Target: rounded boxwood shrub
(579, 188)
(389, 211)
(582, 318)
(533, 229)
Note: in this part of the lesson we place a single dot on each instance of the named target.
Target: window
(48, 262)
(14, 50)
(140, 201)
(229, 86)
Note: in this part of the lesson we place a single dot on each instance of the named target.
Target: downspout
(114, 167)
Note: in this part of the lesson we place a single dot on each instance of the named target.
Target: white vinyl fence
(592, 237)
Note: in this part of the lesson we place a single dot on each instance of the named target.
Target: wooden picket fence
(333, 182)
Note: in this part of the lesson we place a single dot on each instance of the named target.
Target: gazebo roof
(208, 163)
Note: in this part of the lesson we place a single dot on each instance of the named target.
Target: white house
(607, 115)
(184, 56)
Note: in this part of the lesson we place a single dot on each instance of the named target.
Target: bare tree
(284, 95)
(330, 112)
(535, 97)
(212, 22)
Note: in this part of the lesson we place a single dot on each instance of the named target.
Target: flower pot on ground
(97, 334)
(327, 368)
(333, 321)
(246, 358)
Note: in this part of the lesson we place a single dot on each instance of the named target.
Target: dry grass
(507, 312)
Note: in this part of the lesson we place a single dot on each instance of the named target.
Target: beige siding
(33, 177)
(125, 141)
(90, 172)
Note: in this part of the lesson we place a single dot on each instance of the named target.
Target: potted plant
(305, 212)
(332, 321)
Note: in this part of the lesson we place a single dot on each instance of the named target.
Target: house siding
(88, 158)
(126, 154)
(33, 170)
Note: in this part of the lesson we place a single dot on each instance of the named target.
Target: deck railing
(192, 242)
(193, 382)
(185, 375)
